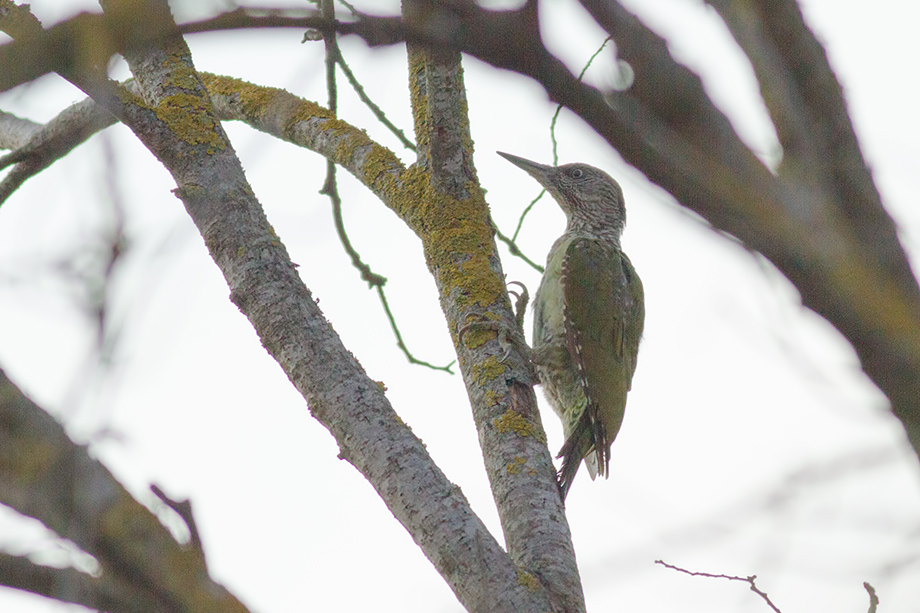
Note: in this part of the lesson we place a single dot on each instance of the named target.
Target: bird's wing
(604, 315)
(635, 318)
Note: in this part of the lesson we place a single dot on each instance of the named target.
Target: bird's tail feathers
(588, 442)
(591, 464)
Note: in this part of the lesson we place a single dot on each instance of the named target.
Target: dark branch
(183, 509)
(748, 580)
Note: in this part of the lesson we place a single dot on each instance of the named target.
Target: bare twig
(399, 340)
(354, 12)
(183, 509)
(513, 249)
(373, 279)
(520, 223)
(581, 75)
(50, 142)
(376, 110)
(873, 597)
(749, 580)
(330, 188)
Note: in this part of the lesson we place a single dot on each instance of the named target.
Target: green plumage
(588, 316)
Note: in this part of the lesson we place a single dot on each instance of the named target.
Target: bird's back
(587, 323)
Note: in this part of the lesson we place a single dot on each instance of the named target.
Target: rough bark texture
(44, 475)
(817, 217)
(458, 239)
(819, 220)
(265, 286)
(173, 117)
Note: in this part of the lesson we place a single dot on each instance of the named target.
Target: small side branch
(399, 340)
(330, 186)
(52, 141)
(749, 580)
(873, 597)
(552, 125)
(183, 509)
(104, 593)
(513, 249)
(376, 110)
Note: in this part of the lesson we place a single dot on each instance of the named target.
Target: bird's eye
(577, 173)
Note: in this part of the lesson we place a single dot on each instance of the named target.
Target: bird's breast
(549, 308)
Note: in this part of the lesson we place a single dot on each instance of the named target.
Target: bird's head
(591, 199)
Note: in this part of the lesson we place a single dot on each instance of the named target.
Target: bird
(589, 313)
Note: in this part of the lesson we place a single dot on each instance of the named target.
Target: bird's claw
(520, 304)
(508, 340)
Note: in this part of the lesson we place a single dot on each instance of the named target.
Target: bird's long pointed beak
(540, 172)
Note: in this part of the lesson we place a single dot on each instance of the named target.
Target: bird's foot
(509, 338)
(510, 341)
(520, 304)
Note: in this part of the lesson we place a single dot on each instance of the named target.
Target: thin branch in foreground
(399, 340)
(748, 580)
(330, 189)
(873, 597)
(552, 125)
(520, 223)
(376, 110)
(552, 136)
(69, 585)
(183, 509)
(513, 249)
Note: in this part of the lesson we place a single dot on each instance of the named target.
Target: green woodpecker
(588, 315)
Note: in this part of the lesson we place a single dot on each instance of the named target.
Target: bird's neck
(599, 229)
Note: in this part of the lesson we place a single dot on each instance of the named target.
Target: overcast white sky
(752, 442)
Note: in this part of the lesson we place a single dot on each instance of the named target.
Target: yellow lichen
(456, 238)
(379, 166)
(511, 421)
(489, 369)
(491, 398)
(187, 117)
(516, 466)
(528, 581)
(418, 94)
(476, 336)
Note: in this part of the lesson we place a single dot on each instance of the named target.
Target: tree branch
(265, 286)
(15, 131)
(458, 240)
(70, 585)
(749, 580)
(685, 145)
(52, 141)
(823, 161)
(44, 475)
